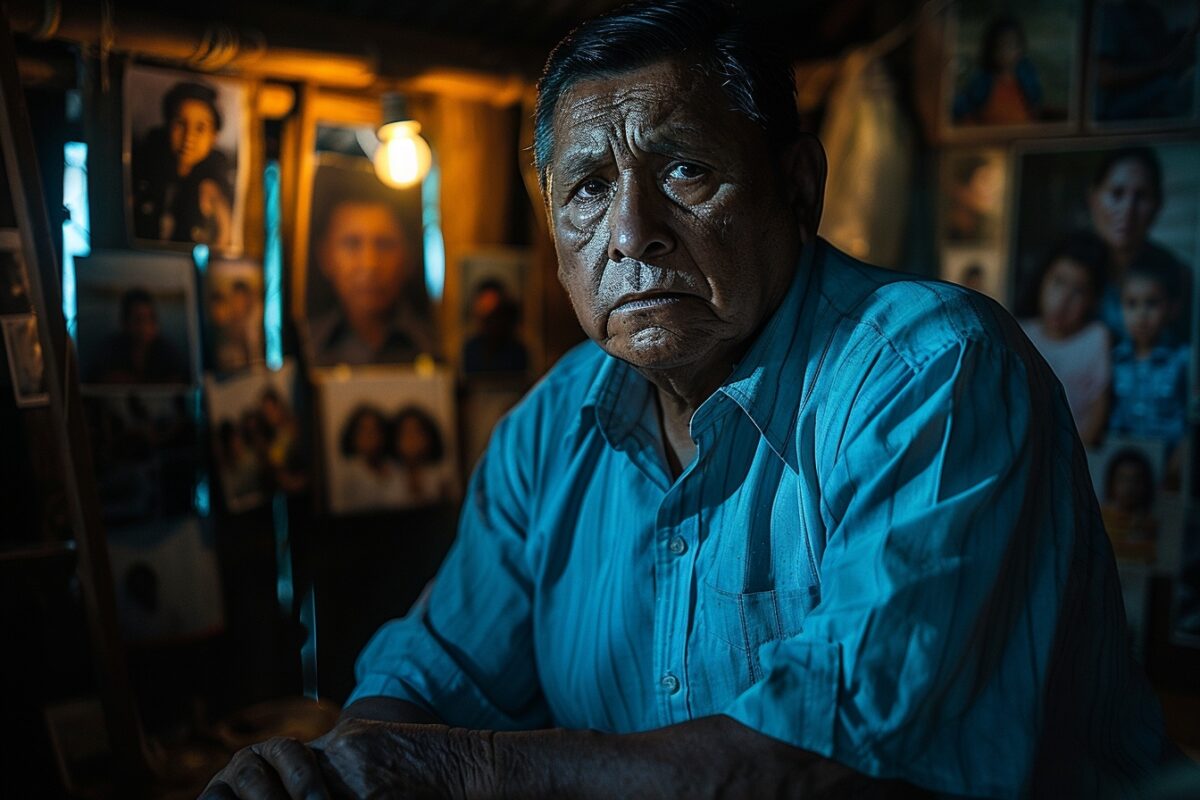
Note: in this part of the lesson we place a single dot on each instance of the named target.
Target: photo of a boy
(1150, 369)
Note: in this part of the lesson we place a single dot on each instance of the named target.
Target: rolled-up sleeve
(947, 496)
(465, 650)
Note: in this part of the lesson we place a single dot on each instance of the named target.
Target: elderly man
(789, 526)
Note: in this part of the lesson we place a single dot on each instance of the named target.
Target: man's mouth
(638, 302)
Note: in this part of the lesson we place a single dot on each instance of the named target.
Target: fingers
(296, 767)
(278, 769)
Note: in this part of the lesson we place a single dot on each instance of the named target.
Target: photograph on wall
(26, 366)
(255, 434)
(977, 268)
(1104, 251)
(1143, 62)
(144, 449)
(14, 284)
(166, 580)
(366, 301)
(187, 159)
(389, 440)
(1012, 63)
(233, 314)
(1127, 475)
(485, 401)
(493, 291)
(136, 318)
(972, 197)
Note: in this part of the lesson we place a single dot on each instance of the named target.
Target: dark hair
(428, 425)
(1141, 154)
(346, 443)
(991, 39)
(1084, 248)
(1159, 268)
(1131, 455)
(749, 63)
(190, 90)
(137, 296)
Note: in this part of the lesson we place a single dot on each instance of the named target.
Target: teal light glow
(431, 221)
(77, 238)
(273, 270)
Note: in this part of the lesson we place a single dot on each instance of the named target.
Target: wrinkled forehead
(663, 106)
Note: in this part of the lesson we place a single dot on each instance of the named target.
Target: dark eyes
(595, 188)
(687, 171)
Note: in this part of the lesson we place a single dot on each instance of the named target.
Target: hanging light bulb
(403, 157)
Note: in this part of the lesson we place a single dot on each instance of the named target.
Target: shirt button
(669, 683)
(677, 545)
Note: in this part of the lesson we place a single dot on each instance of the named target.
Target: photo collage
(1076, 205)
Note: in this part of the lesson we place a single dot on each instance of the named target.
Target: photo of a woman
(368, 476)
(183, 159)
(419, 452)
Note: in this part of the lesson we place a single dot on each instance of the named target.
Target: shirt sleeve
(951, 500)
(465, 650)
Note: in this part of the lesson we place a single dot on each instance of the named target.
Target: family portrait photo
(255, 434)
(187, 175)
(1104, 255)
(389, 441)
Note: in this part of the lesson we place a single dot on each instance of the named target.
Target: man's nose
(637, 226)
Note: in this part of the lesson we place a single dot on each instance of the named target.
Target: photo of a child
(1067, 332)
(1150, 368)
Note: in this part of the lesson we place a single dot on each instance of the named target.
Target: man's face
(675, 234)
(364, 255)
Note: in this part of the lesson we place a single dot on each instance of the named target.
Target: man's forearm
(709, 757)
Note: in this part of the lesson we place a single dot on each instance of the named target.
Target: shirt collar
(767, 384)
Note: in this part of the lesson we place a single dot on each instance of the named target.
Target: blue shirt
(1150, 394)
(886, 551)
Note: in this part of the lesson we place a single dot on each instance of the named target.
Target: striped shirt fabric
(885, 551)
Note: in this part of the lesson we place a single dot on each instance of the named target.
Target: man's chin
(657, 349)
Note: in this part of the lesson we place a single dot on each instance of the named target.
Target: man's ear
(804, 169)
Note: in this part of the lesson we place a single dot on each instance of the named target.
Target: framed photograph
(136, 319)
(233, 315)
(1013, 68)
(389, 440)
(1143, 63)
(493, 292)
(25, 364)
(252, 424)
(167, 584)
(485, 400)
(185, 138)
(365, 299)
(973, 185)
(14, 285)
(145, 450)
(978, 268)
(1104, 230)
(1127, 475)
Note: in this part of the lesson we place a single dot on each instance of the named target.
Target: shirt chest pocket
(744, 621)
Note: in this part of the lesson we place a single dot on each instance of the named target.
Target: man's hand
(362, 758)
(276, 768)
